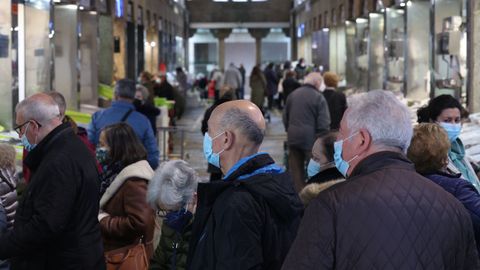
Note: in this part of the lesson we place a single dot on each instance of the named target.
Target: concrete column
(473, 89)
(293, 37)
(258, 35)
(221, 35)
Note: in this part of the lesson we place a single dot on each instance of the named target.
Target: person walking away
(145, 107)
(272, 84)
(305, 118)
(258, 85)
(241, 93)
(123, 110)
(337, 102)
(385, 215)
(289, 84)
(233, 79)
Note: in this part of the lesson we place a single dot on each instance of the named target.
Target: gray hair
(40, 110)
(59, 99)
(314, 79)
(142, 89)
(172, 186)
(235, 118)
(383, 115)
(125, 88)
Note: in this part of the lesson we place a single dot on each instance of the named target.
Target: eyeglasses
(18, 128)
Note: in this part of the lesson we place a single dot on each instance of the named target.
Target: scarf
(109, 174)
(178, 220)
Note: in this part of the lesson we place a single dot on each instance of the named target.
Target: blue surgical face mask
(28, 146)
(340, 163)
(314, 167)
(212, 158)
(453, 130)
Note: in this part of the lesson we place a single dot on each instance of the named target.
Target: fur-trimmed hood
(140, 169)
(310, 191)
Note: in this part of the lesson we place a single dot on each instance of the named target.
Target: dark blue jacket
(246, 221)
(136, 120)
(465, 192)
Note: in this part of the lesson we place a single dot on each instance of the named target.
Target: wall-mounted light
(361, 20)
(153, 44)
(325, 29)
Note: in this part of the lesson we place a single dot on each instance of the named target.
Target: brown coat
(129, 215)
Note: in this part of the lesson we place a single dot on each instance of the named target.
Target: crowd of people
(364, 188)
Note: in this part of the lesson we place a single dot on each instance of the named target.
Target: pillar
(473, 88)
(258, 35)
(221, 35)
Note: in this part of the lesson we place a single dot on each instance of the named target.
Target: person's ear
(363, 141)
(228, 140)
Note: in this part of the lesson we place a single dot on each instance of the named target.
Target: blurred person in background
(337, 102)
(144, 106)
(305, 118)
(258, 85)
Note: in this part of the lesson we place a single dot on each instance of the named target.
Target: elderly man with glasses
(56, 225)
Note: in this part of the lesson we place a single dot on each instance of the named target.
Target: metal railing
(163, 137)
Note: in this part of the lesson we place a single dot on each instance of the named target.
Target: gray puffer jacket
(8, 194)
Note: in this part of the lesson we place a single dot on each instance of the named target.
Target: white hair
(40, 110)
(383, 115)
(142, 89)
(314, 79)
(172, 186)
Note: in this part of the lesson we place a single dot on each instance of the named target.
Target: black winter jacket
(337, 105)
(385, 216)
(245, 224)
(56, 225)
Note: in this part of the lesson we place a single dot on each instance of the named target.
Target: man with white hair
(305, 117)
(56, 225)
(249, 219)
(385, 215)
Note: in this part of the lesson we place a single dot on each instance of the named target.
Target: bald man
(250, 218)
(56, 225)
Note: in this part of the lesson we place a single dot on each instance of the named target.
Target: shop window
(325, 18)
(320, 22)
